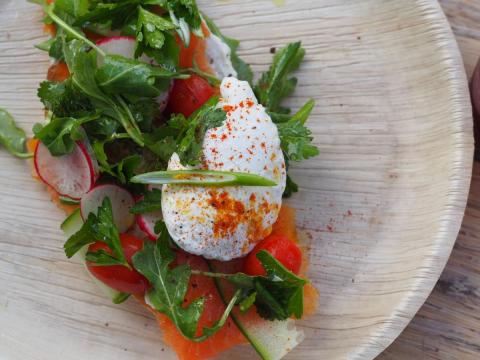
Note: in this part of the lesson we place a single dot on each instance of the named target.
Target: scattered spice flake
(213, 136)
(228, 108)
(330, 228)
(250, 103)
(223, 137)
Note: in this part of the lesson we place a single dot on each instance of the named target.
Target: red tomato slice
(120, 277)
(281, 248)
(188, 95)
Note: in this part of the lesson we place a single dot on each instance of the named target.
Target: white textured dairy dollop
(226, 222)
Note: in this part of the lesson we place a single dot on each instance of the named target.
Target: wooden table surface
(448, 324)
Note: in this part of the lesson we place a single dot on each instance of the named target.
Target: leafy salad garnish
(110, 102)
(276, 296)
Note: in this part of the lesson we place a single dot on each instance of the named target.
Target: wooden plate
(381, 206)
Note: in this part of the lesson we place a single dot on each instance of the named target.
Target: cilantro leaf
(169, 287)
(244, 71)
(276, 83)
(11, 136)
(151, 202)
(98, 227)
(296, 141)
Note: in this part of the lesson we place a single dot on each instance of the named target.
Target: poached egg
(224, 223)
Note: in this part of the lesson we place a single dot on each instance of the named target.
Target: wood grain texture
(382, 205)
(448, 325)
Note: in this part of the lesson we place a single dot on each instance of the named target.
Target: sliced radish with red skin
(121, 200)
(70, 175)
(125, 46)
(146, 223)
(85, 144)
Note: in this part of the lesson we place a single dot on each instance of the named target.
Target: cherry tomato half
(189, 94)
(58, 72)
(119, 277)
(281, 248)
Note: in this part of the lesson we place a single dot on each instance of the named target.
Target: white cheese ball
(224, 223)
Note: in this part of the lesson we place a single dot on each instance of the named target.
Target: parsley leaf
(169, 287)
(151, 202)
(98, 227)
(276, 83)
(11, 136)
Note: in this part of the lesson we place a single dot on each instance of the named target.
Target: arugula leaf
(150, 32)
(59, 134)
(244, 71)
(11, 136)
(169, 287)
(98, 227)
(278, 296)
(276, 83)
(124, 170)
(82, 66)
(119, 75)
(151, 202)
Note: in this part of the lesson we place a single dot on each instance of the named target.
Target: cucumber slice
(70, 226)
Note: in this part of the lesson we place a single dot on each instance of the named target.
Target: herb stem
(23, 155)
(213, 80)
(127, 124)
(72, 31)
(223, 319)
(257, 347)
(120, 136)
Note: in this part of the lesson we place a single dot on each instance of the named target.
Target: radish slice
(121, 200)
(70, 175)
(125, 46)
(146, 223)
